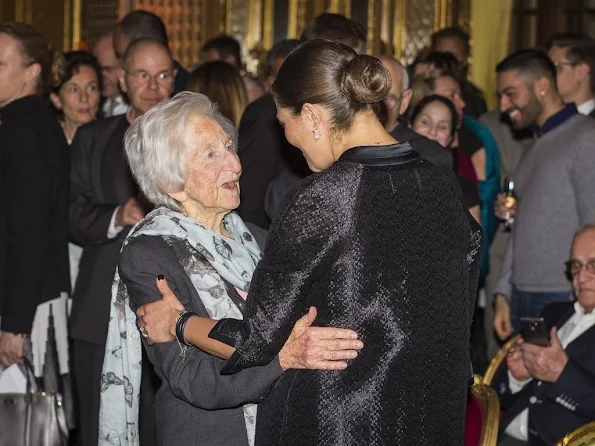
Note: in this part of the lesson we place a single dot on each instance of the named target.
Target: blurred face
(517, 100)
(148, 77)
(16, 79)
(452, 45)
(210, 55)
(105, 54)
(583, 283)
(120, 43)
(79, 97)
(393, 100)
(569, 77)
(434, 122)
(212, 185)
(299, 133)
(449, 88)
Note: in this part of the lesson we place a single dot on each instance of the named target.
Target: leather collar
(392, 155)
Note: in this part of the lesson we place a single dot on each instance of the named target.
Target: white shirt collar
(580, 310)
(586, 107)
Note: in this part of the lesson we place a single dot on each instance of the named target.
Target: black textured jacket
(380, 242)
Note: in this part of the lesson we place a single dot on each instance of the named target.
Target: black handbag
(35, 418)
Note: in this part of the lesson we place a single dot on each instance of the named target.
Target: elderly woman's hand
(319, 348)
(157, 320)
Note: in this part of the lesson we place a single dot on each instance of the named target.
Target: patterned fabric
(232, 259)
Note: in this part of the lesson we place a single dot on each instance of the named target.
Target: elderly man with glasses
(549, 391)
(105, 204)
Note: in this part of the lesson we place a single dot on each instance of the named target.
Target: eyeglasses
(143, 78)
(560, 65)
(574, 267)
(392, 99)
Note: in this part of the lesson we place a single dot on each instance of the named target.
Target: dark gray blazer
(195, 404)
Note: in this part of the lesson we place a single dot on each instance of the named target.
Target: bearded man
(553, 184)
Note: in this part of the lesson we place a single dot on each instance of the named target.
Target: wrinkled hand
(514, 361)
(318, 348)
(501, 210)
(12, 349)
(545, 363)
(130, 213)
(158, 319)
(502, 323)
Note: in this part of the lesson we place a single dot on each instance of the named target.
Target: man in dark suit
(396, 104)
(141, 24)
(105, 204)
(263, 150)
(547, 392)
(574, 58)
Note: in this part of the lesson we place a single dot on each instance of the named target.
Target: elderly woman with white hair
(183, 155)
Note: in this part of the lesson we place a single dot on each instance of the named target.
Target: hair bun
(58, 67)
(365, 80)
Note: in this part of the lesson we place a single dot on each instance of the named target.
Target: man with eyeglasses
(574, 58)
(105, 204)
(395, 106)
(547, 392)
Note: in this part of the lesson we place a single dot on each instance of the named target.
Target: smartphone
(534, 331)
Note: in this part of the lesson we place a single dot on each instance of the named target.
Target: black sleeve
(469, 142)
(194, 377)
(280, 292)
(470, 195)
(88, 220)
(28, 170)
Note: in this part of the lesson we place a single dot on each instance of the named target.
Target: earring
(316, 134)
(542, 93)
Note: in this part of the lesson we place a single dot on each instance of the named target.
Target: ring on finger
(143, 332)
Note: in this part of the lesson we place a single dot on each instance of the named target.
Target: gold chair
(490, 410)
(583, 436)
(497, 360)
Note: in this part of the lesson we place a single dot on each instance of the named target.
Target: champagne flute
(508, 193)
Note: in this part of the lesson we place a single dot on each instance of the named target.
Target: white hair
(157, 149)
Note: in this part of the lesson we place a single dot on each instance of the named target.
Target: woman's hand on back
(158, 319)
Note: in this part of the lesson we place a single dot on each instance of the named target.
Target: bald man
(396, 104)
(103, 50)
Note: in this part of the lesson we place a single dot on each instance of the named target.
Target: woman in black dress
(34, 179)
(378, 241)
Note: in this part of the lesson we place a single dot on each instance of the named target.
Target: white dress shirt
(578, 323)
(114, 106)
(586, 107)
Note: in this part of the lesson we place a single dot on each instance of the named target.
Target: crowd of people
(322, 256)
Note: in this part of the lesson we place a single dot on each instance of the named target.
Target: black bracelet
(181, 325)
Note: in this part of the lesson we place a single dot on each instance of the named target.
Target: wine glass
(508, 193)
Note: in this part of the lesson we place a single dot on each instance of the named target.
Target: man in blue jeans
(553, 184)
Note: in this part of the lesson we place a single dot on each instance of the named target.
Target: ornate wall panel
(99, 16)
(183, 21)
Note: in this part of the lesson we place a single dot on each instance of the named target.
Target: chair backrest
(487, 399)
(583, 436)
(497, 360)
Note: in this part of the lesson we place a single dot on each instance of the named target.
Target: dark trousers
(87, 362)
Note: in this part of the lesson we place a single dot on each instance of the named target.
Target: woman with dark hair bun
(34, 178)
(379, 241)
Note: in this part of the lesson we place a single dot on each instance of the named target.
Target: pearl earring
(542, 93)
(316, 134)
